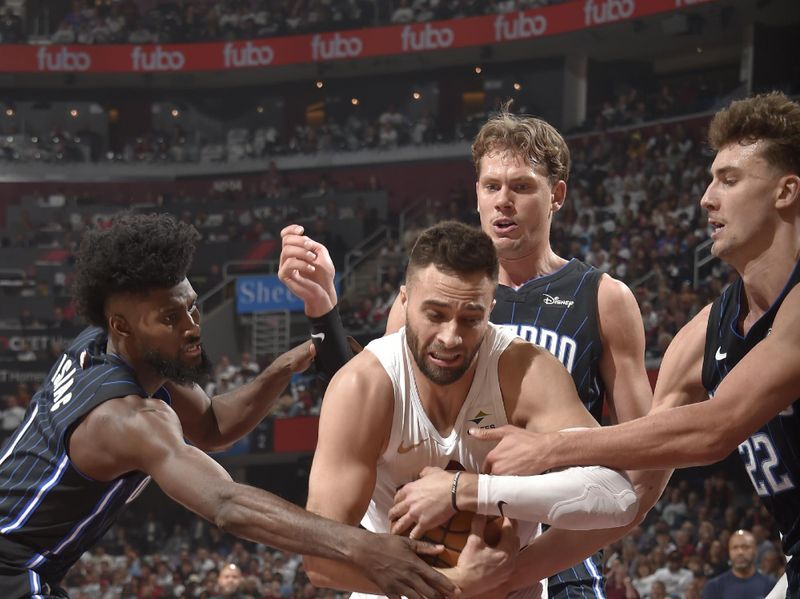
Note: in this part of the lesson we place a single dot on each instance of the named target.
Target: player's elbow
(229, 515)
(717, 445)
(608, 501)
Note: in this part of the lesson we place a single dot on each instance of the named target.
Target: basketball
(454, 533)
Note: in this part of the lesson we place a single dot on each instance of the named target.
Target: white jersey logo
(549, 300)
(62, 381)
(720, 355)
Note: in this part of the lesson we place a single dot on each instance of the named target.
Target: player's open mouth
(503, 226)
(193, 350)
(714, 227)
(444, 359)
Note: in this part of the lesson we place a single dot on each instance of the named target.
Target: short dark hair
(456, 248)
(138, 253)
(533, 139)
(771, 117)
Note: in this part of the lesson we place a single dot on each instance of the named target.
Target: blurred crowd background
(365, 154)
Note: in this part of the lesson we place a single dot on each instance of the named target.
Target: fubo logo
(157, 59)
(521, 26)
(607, 11)
(338, 46)
(249, 55)
(48, 59)
(429, 38)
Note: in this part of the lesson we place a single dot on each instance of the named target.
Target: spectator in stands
(11, 27)
(619, 584)
(248, 368)
(674, 576)
(742, 581)
(59, 319)
(13, 413)
(225, 375)
(643, 579)
(674, 511)
(404, 13)
(229, 583)
(771, 564)
(658, 590)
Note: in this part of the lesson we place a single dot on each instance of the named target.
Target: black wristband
(330, 341)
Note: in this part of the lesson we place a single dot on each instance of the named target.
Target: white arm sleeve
(779, 590)
(577, 498)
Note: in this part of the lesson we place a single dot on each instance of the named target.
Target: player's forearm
(557, 549)
(237, 412)
(261, 517)
(674, 438)
(575, 498)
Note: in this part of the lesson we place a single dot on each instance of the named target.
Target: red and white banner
(320, 47)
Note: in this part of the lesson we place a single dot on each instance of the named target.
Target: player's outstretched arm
(216, 423)
(762, 384)
(130, 434)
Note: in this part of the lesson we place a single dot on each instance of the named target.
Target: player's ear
(403, 296)
(558, 194)
(788, 192)
(119, 325)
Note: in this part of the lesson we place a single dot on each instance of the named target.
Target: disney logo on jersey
(549, 300)
(62, 380)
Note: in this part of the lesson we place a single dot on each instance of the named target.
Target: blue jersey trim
(29, 509)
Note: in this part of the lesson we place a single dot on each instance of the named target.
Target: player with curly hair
(114, 412)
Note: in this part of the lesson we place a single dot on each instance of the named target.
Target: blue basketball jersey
(50, 513)
(559, 313)
(772, 454)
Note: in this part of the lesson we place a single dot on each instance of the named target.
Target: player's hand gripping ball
(454, 533)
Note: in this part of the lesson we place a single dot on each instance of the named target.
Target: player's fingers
(400, 495)
(508, 535)
(292, 230)
(428, 470)
(402, 524)
(418, 530)
(298, 282)
(293, 256)
(508, 523)
(478, 525)
(292, 241)
(424, 589)
(490, 434)
(425, 548)
(397, 510)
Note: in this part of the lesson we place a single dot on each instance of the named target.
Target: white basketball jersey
(414, 442)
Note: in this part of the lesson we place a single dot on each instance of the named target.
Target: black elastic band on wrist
(453, 489)
(330, 341)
